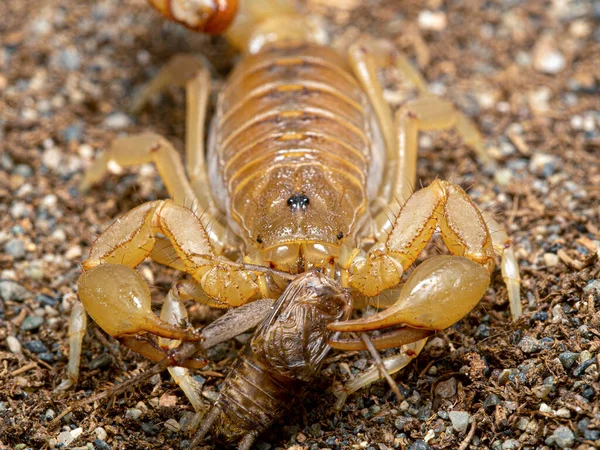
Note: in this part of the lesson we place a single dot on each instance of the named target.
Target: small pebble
(14, 345)
(102, 362)
(133, 414)
(545, 408)
(117, 121)
(541, 391)
(12, 291)
(551, 259)
(592, 285)
(99, 444)
(419, 445)
(31, 323)
(529, 345)
(15, 248)
(543, 164)
(460, 420)
(432, 20)
(546, 57)
(580, 369)
(401, 422)
(511, 444)
(564, 437)
(563, 412)
(489, 404)
(36, 346)
(568, 359)
(172, 425)
(49, 415)
(446, 389)
(52, 158)
(70, 59)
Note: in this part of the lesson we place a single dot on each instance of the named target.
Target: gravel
(526, 74)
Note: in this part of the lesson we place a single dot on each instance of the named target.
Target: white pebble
(460, 420)
(14, 345)
(101, 433)
(551, 259)
(49, 201)
(546, 57)
(52, 158)
(432, 20)
(545, 408)
(117, 121)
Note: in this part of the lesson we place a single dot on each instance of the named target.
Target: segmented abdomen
(292, 112)
(252, 398)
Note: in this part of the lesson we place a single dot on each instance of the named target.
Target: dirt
(528, 72)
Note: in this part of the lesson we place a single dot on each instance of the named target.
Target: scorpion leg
(109, 283)
(189, 72)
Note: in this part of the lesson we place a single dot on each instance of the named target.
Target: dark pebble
(568, 359)
(540, 316)
(580, 369)
(483, 331)
(547, 343)
(46, 300)
(47, 357)
(150, 429)
(489, 404)
(184, 444)
(401, 422)
(31, 323)
(99, 444)
(590, 435)
(36, 346)
(102, 362)
(359, 429)
(588, 393)
(330, 441)
(419, 445)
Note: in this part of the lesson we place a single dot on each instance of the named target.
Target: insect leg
(173, 311)
(392, 364)
(77, 327)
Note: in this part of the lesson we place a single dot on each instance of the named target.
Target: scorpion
(299, 204)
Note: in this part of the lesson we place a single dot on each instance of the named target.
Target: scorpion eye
(340, 235)
(259, 239)
(298, 201)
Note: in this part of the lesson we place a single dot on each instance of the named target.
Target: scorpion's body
(295, 155)
(311, 174)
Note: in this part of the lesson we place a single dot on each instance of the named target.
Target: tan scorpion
(299, 201)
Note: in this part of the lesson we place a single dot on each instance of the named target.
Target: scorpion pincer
(304, 194)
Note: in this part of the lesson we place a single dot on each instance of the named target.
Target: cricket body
(304, 194)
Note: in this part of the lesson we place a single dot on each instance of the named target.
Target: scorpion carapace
(308, 171)
(295, 139)
(283, 356)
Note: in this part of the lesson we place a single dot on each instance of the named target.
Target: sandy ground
(528, 72)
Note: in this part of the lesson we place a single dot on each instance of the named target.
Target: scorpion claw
(122, 291)
(440, 292)
(150, 350)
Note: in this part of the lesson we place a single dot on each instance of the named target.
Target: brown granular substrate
(528, 72)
